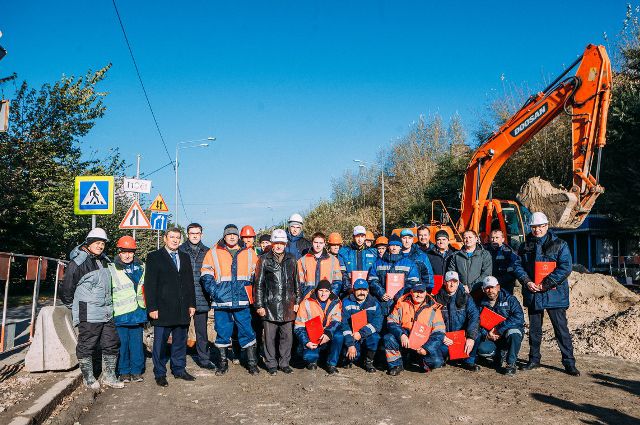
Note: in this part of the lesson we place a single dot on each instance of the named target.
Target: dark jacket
(509, 307)
(167, 290)
(555, 286)
(353, 258)
(504, 258)
(375, 317)
(459, 312)
(425, 248)
(196, 253)
(81, 262)
(424, 265)
(440, 262)
(276, 287)
(298, 245)
(472, 270)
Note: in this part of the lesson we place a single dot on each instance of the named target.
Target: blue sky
(293, 90)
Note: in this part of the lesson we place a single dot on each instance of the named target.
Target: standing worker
(504, 258)
(129, 309)
(298, 245)
(86, 290)
(440, 254)
(335, 243)
(369, 239)
(551, 294)
(381, 245)
(248, 236)
(317, 265)
(424, 235)
(196, 250)
(355, 257)
(265, 244)
(171, 302)
(227, 275)
(415, 254)
(472, 262)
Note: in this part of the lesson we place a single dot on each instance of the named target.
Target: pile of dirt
(555, 201)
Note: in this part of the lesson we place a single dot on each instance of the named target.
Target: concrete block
(54, 341)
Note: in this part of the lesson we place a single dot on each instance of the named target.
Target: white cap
(538, 219)
(489, 282)
(98, 233)
(359, 230)
(451, 275)
(295, 218)
(278, 235)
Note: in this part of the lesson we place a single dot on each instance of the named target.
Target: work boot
(530, 365)
(332, 370)
(312, 366)
(252, 360)
(571, 370)
(368, 362)
(86, 368)
(224, 363)
(395, 371)
(510, 370)
(109, 372)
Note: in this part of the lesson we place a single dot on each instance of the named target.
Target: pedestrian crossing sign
(159, 204)
(93, 195)
(135, 218)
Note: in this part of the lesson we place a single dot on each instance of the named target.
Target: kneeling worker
(368, 335)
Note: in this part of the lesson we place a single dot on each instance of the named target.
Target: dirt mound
(555, 201)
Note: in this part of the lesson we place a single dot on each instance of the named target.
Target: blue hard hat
(360, 284)
(406, 232)
(395, 240)
(419, 287)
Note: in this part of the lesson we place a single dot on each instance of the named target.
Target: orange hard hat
(247, 232)
(126, 242)
(369, 236)
(335, 238)
(382, 240)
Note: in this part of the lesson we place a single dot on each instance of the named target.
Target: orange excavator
(585, 97)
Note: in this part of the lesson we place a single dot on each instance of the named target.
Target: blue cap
(406, 232)
(419, 287)
(360, 284)
(395, 240)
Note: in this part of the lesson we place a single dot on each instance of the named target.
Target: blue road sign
(159, 221)
(93, 195)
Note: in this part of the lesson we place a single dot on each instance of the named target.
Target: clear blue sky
(293, 90)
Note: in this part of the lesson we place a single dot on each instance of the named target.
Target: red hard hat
(247, 232)
(126, 242)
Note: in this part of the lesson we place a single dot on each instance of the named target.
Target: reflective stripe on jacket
(374, 317)
(225, 276)
(405, 313)
(125, 297)
(309, 308)
(309, 274)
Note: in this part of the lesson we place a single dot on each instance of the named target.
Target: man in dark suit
(171, 303)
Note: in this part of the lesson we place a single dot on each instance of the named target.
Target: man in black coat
(171, 303)
(196, 251)
(440, 254)
(277, 295)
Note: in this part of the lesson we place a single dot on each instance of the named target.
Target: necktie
(175, 258)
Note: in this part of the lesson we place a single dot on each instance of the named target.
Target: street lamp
(363, 164)
(190, 145)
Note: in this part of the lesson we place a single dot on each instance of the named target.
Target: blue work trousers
(225, 319)
(131, 361)
(333, 348)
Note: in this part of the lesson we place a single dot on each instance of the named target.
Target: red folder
(395, 283)
(358, 274)
(489, 319)
(359, 320)
(249, 290)
(419, 335)
(438, 280)
(543, 269)
(314, 329)
(456, 350)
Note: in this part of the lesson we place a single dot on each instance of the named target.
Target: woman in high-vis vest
(129, 309)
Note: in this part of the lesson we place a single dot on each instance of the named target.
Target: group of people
(344, 303)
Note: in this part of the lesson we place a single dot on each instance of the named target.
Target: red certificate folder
(314, 329)
(438, 280)
(249, 290)
(395, 283)
(359, 320)
(358, 274)
(419, 335)
(456, 350)
(543, 269)
(489, 319)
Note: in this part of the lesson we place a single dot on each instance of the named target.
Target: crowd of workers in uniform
(264, 294)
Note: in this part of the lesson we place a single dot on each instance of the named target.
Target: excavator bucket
(561, 206)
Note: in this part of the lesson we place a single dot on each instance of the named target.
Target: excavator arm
(585, 97)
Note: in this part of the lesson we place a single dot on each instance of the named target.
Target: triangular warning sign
(93, 197)
(159, 205)
(135, 218)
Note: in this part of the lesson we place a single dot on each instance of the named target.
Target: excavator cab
(508, 216)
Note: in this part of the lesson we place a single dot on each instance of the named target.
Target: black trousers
(94, 335)
(558, 317)
(280, 335)
(178, 359)
(202, 338)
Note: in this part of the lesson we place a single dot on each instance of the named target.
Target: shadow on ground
(602, 415)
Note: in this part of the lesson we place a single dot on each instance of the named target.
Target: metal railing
(36, 270)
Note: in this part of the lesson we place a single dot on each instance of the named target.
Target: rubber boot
(224, 363)
(86, 368)
(109, 378)
(368, 362)
(252, 359)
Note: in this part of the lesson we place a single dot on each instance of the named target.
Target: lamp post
(363, 164)
(189, 145)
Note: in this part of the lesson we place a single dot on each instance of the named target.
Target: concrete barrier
(54, 342)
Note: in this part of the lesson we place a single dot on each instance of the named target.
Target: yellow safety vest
(125, 298)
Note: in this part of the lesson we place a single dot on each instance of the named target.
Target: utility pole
(137, 194)
(384, 230)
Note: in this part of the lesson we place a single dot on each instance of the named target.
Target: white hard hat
(489, 282)
(538, 219)
(278, 235)
(359, 230)
(98, 233)
(295, 218)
